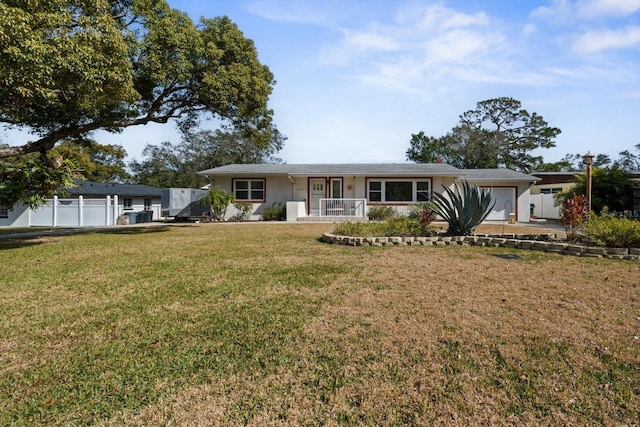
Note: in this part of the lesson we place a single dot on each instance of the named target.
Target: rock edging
(530, 242)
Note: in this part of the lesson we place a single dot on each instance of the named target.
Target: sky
(356, 78)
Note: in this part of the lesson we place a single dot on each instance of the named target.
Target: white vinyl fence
(544, 206)
(78, 212)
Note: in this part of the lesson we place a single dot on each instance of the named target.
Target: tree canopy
(626, 161)
(70, 67)
(176, 165)
(93, 161)
(611, 187)
(497, 133)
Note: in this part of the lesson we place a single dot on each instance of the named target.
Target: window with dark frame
(4, 212)
(553, 190)
(127, 203)
(396, 191)
(147, 204)
(249, 189)
(375, 191)
(423, 191)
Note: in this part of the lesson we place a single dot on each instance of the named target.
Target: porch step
(344, 218)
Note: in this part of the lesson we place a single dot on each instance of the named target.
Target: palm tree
(218, 199)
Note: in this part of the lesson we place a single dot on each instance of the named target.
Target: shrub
(607, 230)
(464, 209)
(275, 212)
(400, 226)
(381, 213)
(573, 215)
(422, 212)
(244, 211)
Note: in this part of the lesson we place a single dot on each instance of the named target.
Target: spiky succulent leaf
(463, 209)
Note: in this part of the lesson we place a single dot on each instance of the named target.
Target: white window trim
(249, 189)
(383, 181)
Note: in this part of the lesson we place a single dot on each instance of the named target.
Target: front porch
(329, 210)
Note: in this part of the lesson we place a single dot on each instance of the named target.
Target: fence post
(80, 210)
(106, 212)
(115, 210)
(54, 220)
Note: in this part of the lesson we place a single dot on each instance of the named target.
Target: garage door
(505, 199)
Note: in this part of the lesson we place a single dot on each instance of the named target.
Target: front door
(317, 192)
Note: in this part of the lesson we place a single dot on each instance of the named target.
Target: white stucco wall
(18, 216)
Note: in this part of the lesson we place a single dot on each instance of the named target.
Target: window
(553, 190)
(408, 191)
(423, 191)
(249, 189)
(398, 191)
(375, 191)
(127, 203)
(336, 188)
(147, 204)
(4, 212)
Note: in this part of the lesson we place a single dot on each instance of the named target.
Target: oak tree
(70, 67)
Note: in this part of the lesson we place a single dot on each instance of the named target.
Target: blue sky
(355, 78)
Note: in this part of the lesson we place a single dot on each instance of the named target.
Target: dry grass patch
(260, 324)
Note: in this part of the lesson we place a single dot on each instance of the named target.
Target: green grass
(257, 324)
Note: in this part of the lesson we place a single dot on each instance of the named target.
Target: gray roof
(497, 175)
(91, 188)
(370, 169)
(355, 169)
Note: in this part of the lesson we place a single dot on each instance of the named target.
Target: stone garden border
(539, 242)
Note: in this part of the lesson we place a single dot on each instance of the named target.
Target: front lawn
(261, 324)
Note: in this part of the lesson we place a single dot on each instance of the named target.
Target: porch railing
(343, 207)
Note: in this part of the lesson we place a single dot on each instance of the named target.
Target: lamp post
(588, 160)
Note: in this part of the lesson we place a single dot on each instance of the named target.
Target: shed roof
(91, 188)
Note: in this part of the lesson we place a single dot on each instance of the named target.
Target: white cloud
(296, 12)
(421, 45)
(440, 18)
(558, 11)
(460, 46)
(600, 8)
(567, 11)
(369, 41)
(595, 41)
(529, 29)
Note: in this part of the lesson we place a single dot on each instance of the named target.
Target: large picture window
(399, 191)
(249, 189)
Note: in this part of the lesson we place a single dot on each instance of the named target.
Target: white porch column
(80, 211)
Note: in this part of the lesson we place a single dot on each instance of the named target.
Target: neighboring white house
(89, 204)
(348, 190)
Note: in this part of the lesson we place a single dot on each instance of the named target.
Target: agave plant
(464, 209)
